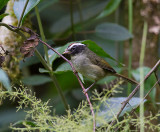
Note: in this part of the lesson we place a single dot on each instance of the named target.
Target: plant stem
(20, 20)
(47, 65)
(53, 79)
(74, 71)
(145, 96)
(136, 89)
(130, 17)
(42, 33)
(8, 26)
(117, 45)
(71, 18)
(48, 68)
(42, 61)
(143, 45)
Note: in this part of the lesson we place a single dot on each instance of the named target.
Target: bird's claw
(85, 91)
(74, 71)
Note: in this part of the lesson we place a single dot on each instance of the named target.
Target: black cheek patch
(77, 50)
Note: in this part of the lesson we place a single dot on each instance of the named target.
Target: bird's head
(75, 48)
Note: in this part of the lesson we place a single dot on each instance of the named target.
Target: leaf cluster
(40, 116)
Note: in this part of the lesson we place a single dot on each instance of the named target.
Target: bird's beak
(66, 52)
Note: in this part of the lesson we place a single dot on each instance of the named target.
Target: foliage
(19, 6)
(110, 7)
(94, 23)
(3, 3)
(113, 32)
(5, 80)
(39, 115)
(3, 15)
(149, 83)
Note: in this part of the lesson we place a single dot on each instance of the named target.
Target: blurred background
(107, 23)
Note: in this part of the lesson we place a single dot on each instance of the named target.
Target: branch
(15, 29)
(156, 75)
(135, 90)
(145, 96)
(80, 82)
(10, 27)
(133, 110)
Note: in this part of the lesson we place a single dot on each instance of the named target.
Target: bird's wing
(96, 60)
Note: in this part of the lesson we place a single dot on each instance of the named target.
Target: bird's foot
(74, 71)
(85, 91)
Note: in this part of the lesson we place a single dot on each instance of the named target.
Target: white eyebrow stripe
(74, 45)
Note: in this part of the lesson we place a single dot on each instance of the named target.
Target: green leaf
(98, 50)
(81, 77)
(136, 73)
(64, 67)
(10, 115)
(149, 83)
(36, 80)
(19, 5)
(113, 106)
(3, 15)
(42, 70)
(3, 3)
(112, 5)
(44, 5)
(53, 56)
(88, 12)
(22, 122)
(5, 80)
(113, 31)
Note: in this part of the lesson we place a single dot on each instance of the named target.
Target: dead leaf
(30, 44)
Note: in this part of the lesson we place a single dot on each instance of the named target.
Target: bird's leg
(86, 90)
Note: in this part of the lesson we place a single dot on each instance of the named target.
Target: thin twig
(133, 110)
(54, 79)
(8, 26)
(42, 32)
(158, 87)
(145, 96)
(74, 71)
(135, 90)
(13, 28)
(17, 30)
(157, 78)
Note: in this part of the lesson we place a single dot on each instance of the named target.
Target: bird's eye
(73, 48)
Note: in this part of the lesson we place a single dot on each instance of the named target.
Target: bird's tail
(127, 79)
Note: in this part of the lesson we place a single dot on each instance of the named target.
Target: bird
(90, 65)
